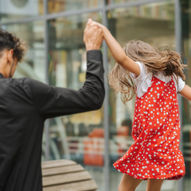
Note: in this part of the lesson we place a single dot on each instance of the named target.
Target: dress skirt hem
(167, 177)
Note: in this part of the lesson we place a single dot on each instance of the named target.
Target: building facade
(53, 32)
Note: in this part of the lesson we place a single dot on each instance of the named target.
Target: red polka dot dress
(155, 153)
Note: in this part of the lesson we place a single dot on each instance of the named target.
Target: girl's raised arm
(117, 51)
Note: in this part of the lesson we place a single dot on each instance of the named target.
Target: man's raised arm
(53, 101)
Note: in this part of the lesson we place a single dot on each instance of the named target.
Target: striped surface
(66, 175)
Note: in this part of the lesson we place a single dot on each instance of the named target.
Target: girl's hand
(116, 50)
(94, 23)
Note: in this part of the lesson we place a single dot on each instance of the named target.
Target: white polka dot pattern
(155, 153)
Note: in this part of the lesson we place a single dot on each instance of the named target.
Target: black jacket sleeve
(54, 101)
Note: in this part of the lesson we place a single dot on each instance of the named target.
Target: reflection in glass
(153, 23)
(55, 6)
(16, 9)
(119, 1)
(78, 137)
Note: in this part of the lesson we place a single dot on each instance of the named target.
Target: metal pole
(178, 36)
(46, 128)
(106, 110)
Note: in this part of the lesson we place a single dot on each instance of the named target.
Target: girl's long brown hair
(155, 60)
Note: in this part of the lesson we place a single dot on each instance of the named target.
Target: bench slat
(65, 178)
(62, 170)
(88, 185)
(57, 163)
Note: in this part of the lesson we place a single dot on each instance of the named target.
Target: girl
(155, 77)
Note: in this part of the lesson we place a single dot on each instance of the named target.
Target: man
(25, 104)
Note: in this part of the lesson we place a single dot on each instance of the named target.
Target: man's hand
(93, 36)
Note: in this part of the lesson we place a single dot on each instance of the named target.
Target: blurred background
(53, 31)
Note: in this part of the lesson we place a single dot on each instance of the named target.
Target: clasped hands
(93, 35)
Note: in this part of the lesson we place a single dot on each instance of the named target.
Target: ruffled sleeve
(143, 81)
(180, 84)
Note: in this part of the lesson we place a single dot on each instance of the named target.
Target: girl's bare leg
(154, 185)
(128, 183)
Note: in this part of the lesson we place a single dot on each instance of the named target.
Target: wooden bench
(66, 175)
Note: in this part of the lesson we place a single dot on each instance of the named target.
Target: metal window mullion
(105, 7)
(47, 16)
(46, 127)
(178, 38)
(106, 110)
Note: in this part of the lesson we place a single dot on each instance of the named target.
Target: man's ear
(10, 55)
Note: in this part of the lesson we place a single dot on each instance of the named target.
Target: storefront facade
(53, 31)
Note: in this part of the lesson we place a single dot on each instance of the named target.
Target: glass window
(78, 137)
(16, 9)
(120, 1)
(152, 23)
(33, 64)
(186, 106)
(55, 6)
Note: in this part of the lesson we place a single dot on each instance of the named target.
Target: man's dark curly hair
(9, 41)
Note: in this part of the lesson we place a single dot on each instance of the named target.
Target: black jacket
(24, 106)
